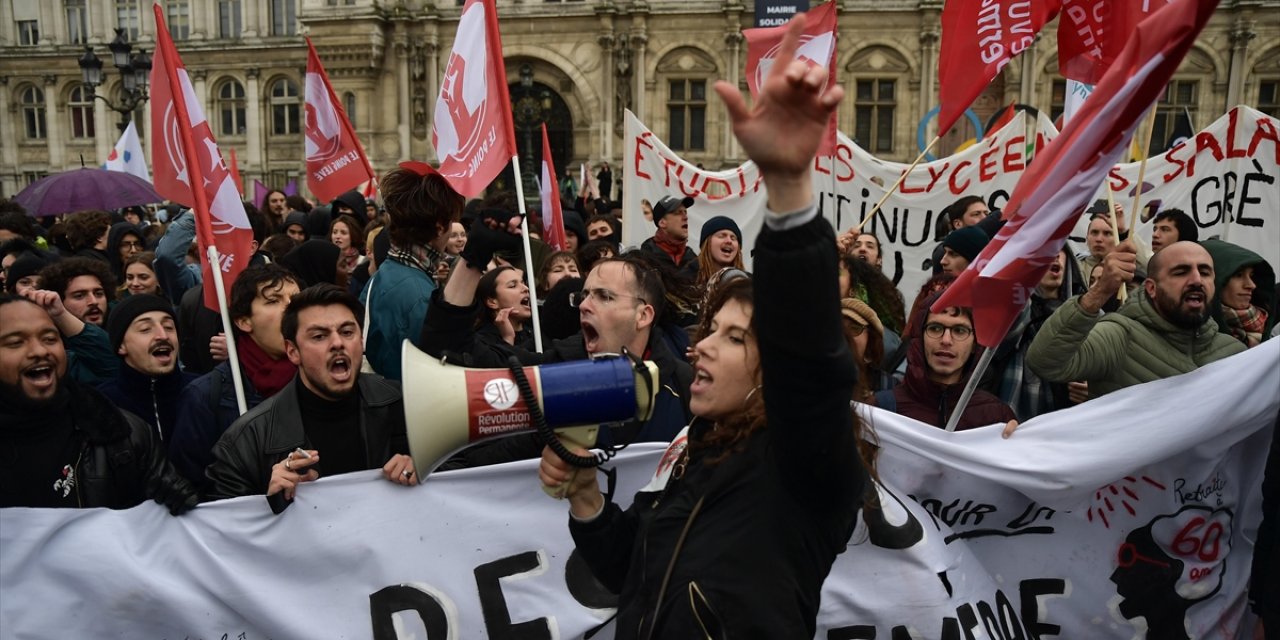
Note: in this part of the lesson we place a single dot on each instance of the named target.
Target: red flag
(1092, 33)
(552, 216)
(978, 40)
(473, 133)
(188, 165)
(817, 48)
(235, 174)
(1006, 116)
(1048, 199)
(335, 160)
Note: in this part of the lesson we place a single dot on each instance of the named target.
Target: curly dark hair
(250, 281)
(85, 227)
(881, 294)
(419, 207)
(58, 275)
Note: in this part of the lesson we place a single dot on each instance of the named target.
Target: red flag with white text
(473, 133)
(978, 40)
(335, 160)
(1048, 199)
(1091, 33)
(817, 47)
(549, 190)
(183, 154)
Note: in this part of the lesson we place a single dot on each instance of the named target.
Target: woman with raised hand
(746, 523)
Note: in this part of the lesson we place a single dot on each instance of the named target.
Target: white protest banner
(1226, 177)
(905, 225)
(1131, 514)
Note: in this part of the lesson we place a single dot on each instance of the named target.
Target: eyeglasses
(603, 296)
(959, 333)
(855, 329)
(130, 244)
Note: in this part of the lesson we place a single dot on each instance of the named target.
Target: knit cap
(718, 224)
(861, 313)
(123, 314)
(967, 241)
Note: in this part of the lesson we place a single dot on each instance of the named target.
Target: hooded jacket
(930, 402)
(1229, 259)
(1131, 346)
(114, 237)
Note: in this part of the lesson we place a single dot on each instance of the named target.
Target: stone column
(403, 91)
(729, 144)
(251, 19)
(928, 70)
(54, 123)
(8, 150)
(1030, 58)
(1241, 33)
(255, 125)
(606, 42)
(199, 83)
(53, 24)
(640, 44)
(102, 22)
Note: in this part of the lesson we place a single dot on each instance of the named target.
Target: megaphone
(448, 408)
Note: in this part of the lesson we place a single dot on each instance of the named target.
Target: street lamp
(531, 109)
(135, 74)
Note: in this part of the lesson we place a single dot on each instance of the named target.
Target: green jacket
(1131, 346)
(1228, 259)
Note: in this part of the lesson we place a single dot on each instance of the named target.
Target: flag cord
(897, 184)
(529, 274)
(233, 354)
(970, 387)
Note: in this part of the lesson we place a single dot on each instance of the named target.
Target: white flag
(127, 156)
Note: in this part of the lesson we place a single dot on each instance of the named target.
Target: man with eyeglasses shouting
(940, 360)
(620, 301)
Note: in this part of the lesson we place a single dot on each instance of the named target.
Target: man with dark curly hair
(87, 233)
(85, 286)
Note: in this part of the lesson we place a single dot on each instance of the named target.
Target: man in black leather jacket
(63, 444)
(356, 419)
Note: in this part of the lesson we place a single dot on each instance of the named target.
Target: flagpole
(530, 275)
(233, 354)
(897, 184)
(970, 387)
(1142, 170)
(1123, 293)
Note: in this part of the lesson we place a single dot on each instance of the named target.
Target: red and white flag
(188, 165)
(549, 190)
(473, 133)
(235, 173)
(817, 48)
(1047, 201)
(335, 160)
(1092, 33)
(978, 40)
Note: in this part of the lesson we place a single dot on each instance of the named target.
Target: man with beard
(75, 293)
(356, 419)
(145, 337)
(64, 444)
(1165, 331)
(85, 285)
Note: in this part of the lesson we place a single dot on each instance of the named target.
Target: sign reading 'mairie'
(771, 13)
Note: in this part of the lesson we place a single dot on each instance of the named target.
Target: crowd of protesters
(106, 347)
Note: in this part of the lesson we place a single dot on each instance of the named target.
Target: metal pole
(969, 388)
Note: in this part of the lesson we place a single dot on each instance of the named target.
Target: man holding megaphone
(355, 419)
(618, 306)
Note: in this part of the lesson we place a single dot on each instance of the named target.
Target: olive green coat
(1131, 346)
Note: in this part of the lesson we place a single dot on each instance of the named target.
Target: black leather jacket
(120, 463)
(261, 438)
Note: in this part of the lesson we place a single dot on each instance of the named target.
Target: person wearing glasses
(940, 359)
(124, 240)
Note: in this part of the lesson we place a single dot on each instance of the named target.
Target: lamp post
(531, 109)
(135, 75)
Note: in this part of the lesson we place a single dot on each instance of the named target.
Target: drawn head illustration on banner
(1170, 564)
(323, 130)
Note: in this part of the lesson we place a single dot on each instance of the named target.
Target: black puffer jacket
(261, 438)
(761, 528)
(120, 463)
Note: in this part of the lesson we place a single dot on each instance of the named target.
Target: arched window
(80, 106)
(1267, 71)
(230, 108)
(32, 99)
(687, 72)
(349, 105)
(879, 73)
(284, 108)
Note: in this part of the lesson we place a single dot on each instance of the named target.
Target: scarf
(1245, 325)
(420, 257)
(349, 259)
(670, 246)
(267, 374)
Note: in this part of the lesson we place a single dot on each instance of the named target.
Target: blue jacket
(206, 408)
(172, 270)
(154, 399)
(400, 295)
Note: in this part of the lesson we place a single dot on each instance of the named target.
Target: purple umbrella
(88, 188)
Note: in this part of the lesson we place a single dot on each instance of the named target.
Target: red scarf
(267, 374)
(670, 246)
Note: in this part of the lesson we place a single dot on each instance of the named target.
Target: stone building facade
(574, 64)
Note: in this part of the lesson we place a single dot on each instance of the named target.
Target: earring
(752, 392)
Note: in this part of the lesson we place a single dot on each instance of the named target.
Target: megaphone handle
(568, 439)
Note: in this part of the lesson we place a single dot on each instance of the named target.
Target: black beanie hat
(573, 224)
(122, 315)
(27, 265)
(967, 241)
(718, 224)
